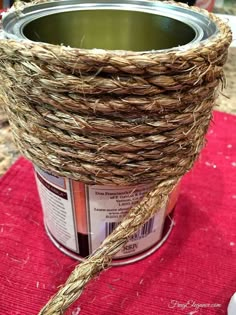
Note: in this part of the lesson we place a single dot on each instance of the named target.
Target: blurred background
(226, 101)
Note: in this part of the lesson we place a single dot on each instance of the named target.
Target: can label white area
(57, 204)
(81, 216)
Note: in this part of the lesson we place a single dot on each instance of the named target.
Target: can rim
(14, 22)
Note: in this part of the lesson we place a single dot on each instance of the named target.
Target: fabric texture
(194, 272)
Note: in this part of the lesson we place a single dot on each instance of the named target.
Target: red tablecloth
(195, 270)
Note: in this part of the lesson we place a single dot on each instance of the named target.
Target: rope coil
(112, 117)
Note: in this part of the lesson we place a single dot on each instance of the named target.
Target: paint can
(77, 216)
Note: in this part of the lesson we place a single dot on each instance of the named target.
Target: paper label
(57, 206)
(81, 216)
(107, 206)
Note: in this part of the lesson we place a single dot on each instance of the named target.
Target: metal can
(66, 22)
(77, 216)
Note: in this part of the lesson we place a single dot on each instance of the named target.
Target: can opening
(110, 29)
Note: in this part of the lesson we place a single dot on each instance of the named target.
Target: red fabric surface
(196, 264)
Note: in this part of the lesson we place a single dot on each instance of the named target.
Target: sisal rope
(112, 118)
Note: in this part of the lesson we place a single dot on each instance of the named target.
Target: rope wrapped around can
(112, 118)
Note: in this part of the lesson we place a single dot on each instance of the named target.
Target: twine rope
(112, 118)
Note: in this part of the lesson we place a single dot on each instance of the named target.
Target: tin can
(78, 217)
(68, 22)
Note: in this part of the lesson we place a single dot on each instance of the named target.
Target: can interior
(110, 29)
